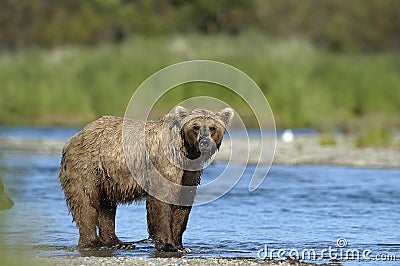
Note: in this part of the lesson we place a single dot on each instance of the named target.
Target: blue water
(39, 132)
(296, 208)
(53, 132)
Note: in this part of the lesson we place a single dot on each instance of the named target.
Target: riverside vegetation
(305, 86)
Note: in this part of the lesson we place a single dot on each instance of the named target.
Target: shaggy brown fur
(97, 175)
(5, 201)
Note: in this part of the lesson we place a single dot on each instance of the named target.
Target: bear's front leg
(159, 223)
(180, 220)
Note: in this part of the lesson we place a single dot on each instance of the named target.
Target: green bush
(337, 25)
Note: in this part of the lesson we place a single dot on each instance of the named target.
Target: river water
(315, 213)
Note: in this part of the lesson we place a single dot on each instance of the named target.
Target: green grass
(376, 136)
(305, 87)
(327, 140)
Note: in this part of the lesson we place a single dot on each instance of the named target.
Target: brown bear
(116, 160)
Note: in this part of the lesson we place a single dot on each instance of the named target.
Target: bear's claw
(184, 250)
(122, 245)
(127, 246)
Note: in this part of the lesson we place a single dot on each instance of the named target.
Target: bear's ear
(226, 116)
(180, 111)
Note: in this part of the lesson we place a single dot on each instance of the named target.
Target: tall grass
(305, 86)
(376, 136)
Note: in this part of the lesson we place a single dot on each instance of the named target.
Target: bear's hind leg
(107, 225)
(107, 228)
(86, 218)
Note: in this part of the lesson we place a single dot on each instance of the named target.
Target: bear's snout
(204, 144)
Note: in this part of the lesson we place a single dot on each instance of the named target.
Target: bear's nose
(204, 144)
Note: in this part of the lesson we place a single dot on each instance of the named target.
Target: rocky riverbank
(97, 261)
(305, 149)
(309, 150)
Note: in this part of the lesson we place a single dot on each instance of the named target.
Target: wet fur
(96, 176)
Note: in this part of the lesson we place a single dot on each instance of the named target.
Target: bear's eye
(212, 130)
(196, 128)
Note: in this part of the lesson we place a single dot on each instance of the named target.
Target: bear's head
(202, 130)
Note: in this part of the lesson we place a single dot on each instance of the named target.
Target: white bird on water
(287, 135)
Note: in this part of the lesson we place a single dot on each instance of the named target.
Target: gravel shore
(97, 261)
(307, 150)
(302, 150)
